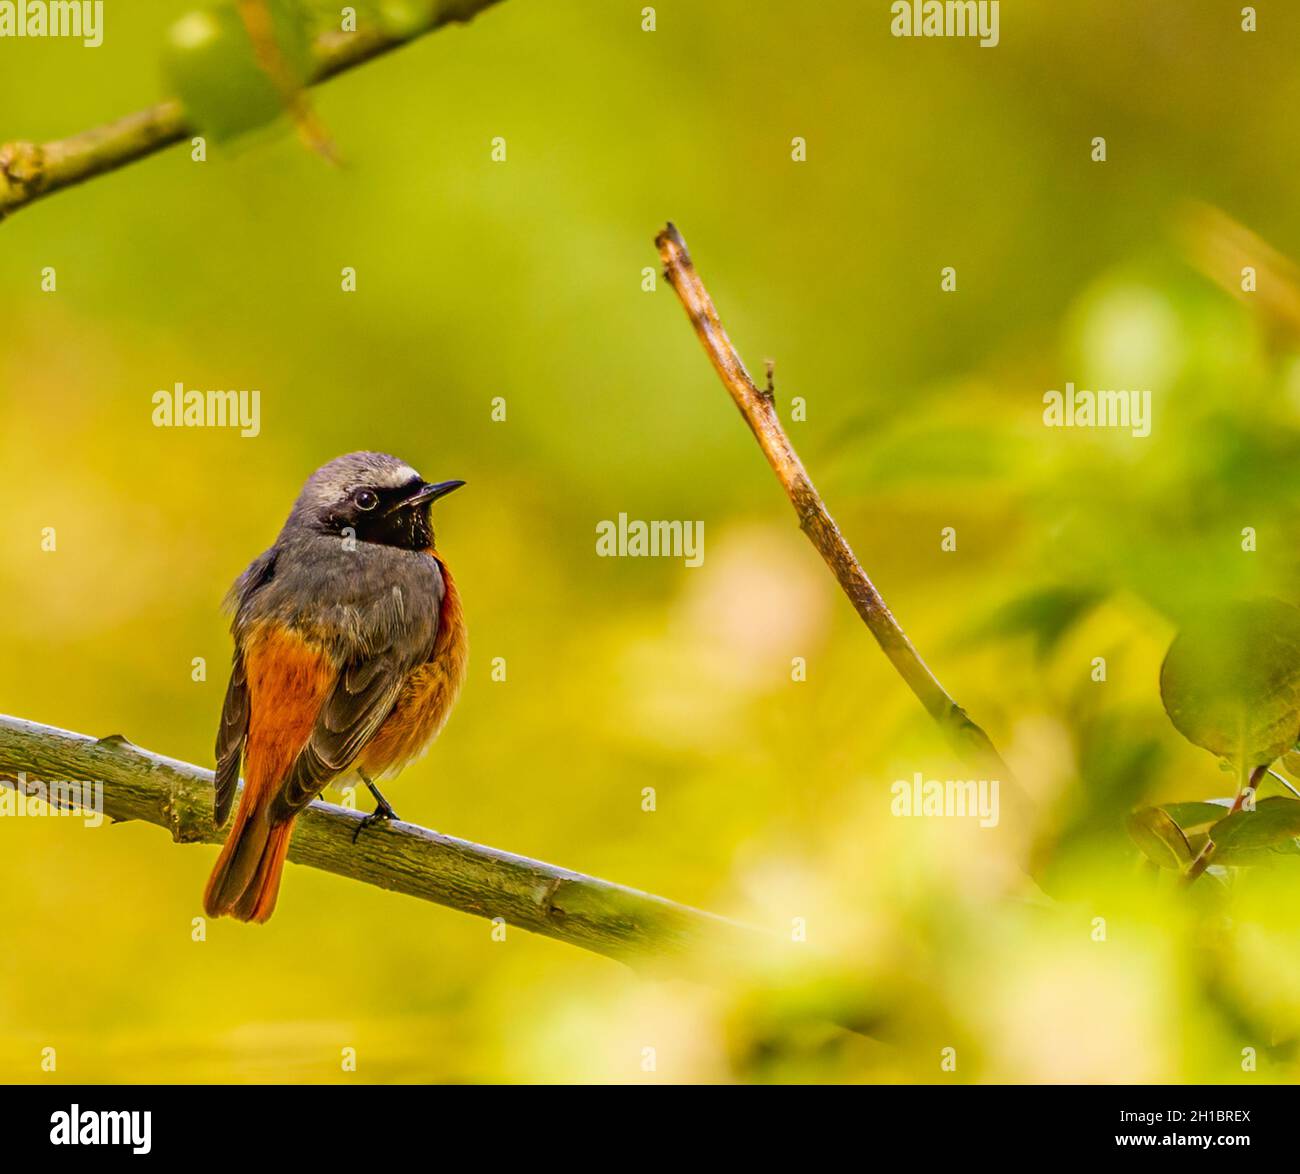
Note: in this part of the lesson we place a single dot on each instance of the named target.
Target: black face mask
(406, 527)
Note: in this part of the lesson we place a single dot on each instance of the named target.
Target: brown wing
(356, 706)
(231, 735)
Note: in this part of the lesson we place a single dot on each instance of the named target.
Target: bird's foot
(383, 813)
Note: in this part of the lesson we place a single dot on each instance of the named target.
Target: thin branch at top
(29, 171)
(759, 410)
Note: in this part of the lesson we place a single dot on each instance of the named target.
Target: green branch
(609, 919)
(29, 171)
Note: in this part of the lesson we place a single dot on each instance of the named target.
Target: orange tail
(246, 879)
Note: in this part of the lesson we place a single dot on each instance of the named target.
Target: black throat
(406, 528)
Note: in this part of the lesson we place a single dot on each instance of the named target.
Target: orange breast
(425, 703)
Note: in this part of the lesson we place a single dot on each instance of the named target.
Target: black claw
(384, 813)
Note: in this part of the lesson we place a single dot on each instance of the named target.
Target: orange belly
(425, 702)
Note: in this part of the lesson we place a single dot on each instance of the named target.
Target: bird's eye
(365, 499)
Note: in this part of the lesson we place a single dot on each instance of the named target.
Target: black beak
(428, 492)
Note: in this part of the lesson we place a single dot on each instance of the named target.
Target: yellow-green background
(523, 280)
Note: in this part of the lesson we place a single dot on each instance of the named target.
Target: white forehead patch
(399, 475)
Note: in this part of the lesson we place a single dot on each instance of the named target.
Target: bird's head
(372, 497)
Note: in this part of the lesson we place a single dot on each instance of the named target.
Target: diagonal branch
(29, 171)
(759, 410)
(609, 919)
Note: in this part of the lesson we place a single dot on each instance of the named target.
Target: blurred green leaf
(1231, 681)
(1046, 614)
(1159, 837)
(401, 18)
(1273, 825)
(213, 66)
(1196, 816)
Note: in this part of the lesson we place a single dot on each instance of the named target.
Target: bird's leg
(383, 809)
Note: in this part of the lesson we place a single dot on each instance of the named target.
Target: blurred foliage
(1231, 681)
(230, 79)
(924, 410)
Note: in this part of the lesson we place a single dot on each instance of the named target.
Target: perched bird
(350, 649)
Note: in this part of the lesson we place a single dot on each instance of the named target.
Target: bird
(350, 651)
